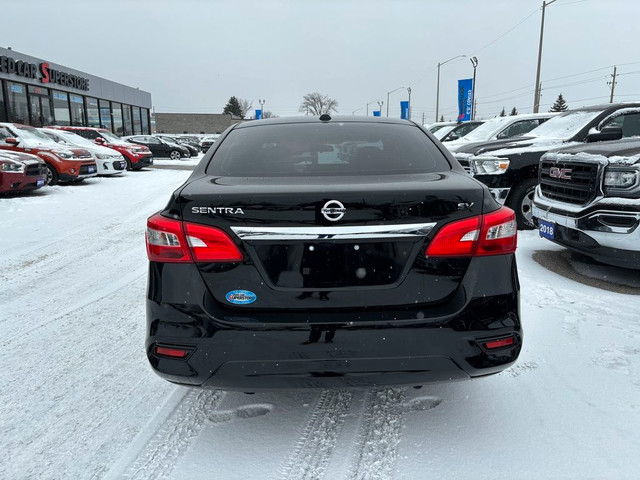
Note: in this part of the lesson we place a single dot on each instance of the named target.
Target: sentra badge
(217, 210)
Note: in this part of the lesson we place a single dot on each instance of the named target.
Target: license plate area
(547, 229)
(332, 265)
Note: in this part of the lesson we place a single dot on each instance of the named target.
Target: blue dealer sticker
(241, 297)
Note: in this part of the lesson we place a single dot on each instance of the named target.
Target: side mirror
(11, 141)
(607, 133)
(100, 141)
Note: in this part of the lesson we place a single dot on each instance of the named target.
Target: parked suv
(108, 161)
(160, 147)
(137, 156)
(186, 142)
(64, 164)
(457, 131)
(588, 200)
(285, 261)
(500, 128)
(21, 171)
(510, 167)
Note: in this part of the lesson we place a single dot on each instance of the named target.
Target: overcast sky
(193, 55)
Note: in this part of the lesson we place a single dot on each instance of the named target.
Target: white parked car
(109, 161)
(501, 128)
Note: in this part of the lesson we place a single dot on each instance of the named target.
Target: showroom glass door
(40, 114)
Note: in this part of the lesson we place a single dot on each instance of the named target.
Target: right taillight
(494, 233)
(173, 241)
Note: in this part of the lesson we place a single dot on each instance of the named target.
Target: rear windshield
(317, 149)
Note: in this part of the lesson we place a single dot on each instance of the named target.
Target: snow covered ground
(79, 400)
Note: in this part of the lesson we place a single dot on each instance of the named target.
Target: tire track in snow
(310, 457)
(172, 439)
(382, 422)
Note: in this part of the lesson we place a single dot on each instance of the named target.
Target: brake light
(499, 343)
(173, 241)
(494, 233)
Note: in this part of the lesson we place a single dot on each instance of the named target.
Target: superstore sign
(44, 72)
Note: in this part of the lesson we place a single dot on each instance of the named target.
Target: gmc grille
(465, 164)
(578, 189)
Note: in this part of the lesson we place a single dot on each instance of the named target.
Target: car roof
(316, 120)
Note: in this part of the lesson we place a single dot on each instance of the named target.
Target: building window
(93, 112)
(18, 107)
(105, 115)
(61, 108)
(41, 113)
(145, 121)
(77, 110)
(116, 116)
(137, 124)
(3, 107)
(126, 117)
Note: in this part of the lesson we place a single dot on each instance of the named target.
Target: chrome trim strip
(333, 233)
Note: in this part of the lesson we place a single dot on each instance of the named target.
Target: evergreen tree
(560, 105)
(503, 113)
(442, 118)
(233, 107)
(514, 111)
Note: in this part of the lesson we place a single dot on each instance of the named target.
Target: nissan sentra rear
(329, 253)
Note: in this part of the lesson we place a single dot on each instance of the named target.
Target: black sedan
(289, 260)
(160, 147)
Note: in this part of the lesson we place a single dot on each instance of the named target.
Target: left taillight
(173, 241)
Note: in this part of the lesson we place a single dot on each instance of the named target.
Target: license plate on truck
(547, 229)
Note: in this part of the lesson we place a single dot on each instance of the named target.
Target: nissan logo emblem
(333, 210)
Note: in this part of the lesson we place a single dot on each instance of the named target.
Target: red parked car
(137, 156)
(20, 172)
(64, 164)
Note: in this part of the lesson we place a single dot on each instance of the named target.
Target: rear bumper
(410, 347)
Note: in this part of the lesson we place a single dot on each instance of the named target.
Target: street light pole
(409, 93)
(380, 103)
(389, 93)
(474, 62)
(438, 84)
(357, 109)
(261, 102)
(536, 97)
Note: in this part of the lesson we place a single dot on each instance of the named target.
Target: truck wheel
(175, 155)
(52, 176)
(521, 201)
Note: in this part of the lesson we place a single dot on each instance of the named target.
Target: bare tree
(268, 114)
(245, 107)
(317, 104)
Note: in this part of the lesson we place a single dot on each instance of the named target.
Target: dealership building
(37, 92)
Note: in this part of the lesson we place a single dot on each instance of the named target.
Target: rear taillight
(173, 241)
(171, 352)
(494, 233)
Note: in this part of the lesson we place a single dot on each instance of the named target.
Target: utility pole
(613, 83)
(536, 98)
(422, 118)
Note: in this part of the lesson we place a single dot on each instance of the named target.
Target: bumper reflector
(499, 343)
(171, 352)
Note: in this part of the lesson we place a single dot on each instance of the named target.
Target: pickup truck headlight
(621, 182)
(489, 165)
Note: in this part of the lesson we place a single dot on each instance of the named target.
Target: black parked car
(510, 167)
(588, 200)
(160, 147)
(286, 260)
(192, 146)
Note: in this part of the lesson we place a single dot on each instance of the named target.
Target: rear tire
(52, 176)
(521, 201)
